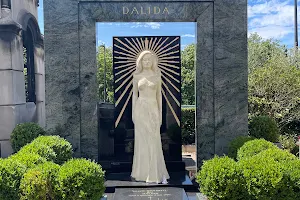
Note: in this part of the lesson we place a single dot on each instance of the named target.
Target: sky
(269, 18)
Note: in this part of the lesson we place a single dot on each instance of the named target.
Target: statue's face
(147, 61)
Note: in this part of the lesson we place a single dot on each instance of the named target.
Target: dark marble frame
(196, 11)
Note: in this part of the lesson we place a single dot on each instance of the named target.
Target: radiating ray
(138, 41)
(164, 68)
(170, 106)
(156, 44)
(168, 49)
(125, 54)
(172, 77)
(146, 43)
(143, 43)
(122, 111)
(119, 57)
(174, 98)
(133, 46)
(150, 43)
(168, 61)
(168, 65)
(157, 48)
(125, 61)
(124, 70)
(124, 75)
(137, 46)
(125, 81)
(122, 66)
(125, 50)
(151, 47)
(123, 93)
(170, 57)
(130, 48)
(160, 50)
(170, 83)
(167, 54)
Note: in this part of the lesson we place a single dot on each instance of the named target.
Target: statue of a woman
(148, 160)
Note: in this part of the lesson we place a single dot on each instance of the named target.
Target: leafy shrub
(188, 125)
(278, 155)
(288, 142)
(236, 144)
(24, 134)
(11, 172)
(220, 178)
(264, 177)
(29, 160)
(254, 147)
(264, 127)
(80, 179)
(292, 170)
(38, 183)
(61, 147)
(40, 149)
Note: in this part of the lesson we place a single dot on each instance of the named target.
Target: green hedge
(24, 134)
(39, 183)
(61, 147)
(264, 127)
(80, 179)
(254, 147)
(11, 172)
(220, 178)
(266, 173)
(236, 144)
(188, 125)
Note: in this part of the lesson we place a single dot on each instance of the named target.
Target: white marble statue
(148, 160)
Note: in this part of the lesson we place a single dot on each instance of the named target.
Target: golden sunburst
(168, 53)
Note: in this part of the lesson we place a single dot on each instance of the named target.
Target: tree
(274, 82)
(188, 75)
(109, 74)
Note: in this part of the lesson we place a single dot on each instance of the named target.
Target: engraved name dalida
(145, 10)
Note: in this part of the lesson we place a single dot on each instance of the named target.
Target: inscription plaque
(150, 194)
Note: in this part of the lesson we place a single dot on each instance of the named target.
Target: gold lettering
(134, 10)
(125, 10)
(166, 11)
(142, 11)
(156, 10)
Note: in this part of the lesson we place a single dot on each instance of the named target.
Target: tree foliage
(101, 62)
(274, 81)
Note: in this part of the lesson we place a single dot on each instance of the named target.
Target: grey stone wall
(221, 67)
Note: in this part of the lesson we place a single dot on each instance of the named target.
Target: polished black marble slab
(159, 193)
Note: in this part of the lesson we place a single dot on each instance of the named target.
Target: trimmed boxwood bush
(24, 134)
(11, 172)
(220, 178)
(40, 149)
(264, 127)
(278, 155)
(264, 177)
(39, 183)
(254, 147)
(29, 160)
(188, 125)
(292, 170)
(236, 144)
(80, 179)
(61, 147)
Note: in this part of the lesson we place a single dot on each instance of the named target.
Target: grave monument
(71, 86)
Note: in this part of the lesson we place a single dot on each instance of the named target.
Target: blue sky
(269, 18)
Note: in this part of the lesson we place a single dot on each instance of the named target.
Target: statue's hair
(139, 67)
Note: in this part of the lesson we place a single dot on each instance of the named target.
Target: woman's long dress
(148, 161)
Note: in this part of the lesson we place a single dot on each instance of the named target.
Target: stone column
(12, 84)
(40, 84)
